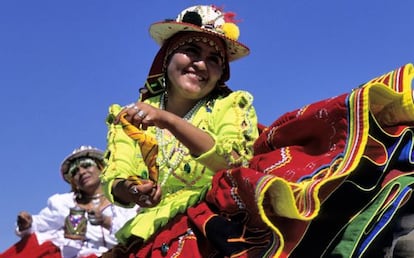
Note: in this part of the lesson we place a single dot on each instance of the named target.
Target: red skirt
(28, 247)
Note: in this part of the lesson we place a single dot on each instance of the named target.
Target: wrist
(22, 232)
(120, 192)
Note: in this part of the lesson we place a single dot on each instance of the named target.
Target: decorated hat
(81, 152)
(203, 18)
(207, 19)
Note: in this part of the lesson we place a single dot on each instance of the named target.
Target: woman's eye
(74, 171)
(191, 51)
(215, 59)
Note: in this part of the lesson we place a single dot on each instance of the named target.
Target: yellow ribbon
(148, 145)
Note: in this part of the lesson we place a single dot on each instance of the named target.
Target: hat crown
(84, 148)
(211, 18)
(203, 18)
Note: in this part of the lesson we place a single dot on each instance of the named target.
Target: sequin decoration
(187, 168)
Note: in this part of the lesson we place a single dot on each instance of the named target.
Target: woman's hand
(24, 220)
(142, 115)
(146, 193)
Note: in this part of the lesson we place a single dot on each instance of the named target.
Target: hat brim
(88, 153)
(161, 31)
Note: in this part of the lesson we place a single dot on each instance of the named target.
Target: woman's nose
(82, 170)
(200, 63)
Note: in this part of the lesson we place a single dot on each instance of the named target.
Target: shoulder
(154, 101)
(238, 99)
(61, 199)
(243, 96)
(239, 95)
(113, 111)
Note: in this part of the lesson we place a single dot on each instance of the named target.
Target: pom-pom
(231, 30)
(193, 18)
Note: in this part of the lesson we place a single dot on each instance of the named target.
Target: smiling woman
(196, 124)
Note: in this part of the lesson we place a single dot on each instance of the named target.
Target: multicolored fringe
(347, 142)
(355, 239)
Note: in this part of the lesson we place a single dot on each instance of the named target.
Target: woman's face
(85, 174)
(194, 70)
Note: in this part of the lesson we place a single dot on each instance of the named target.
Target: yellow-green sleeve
(120, 153)
(233, 125)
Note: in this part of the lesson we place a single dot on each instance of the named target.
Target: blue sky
(62, 63)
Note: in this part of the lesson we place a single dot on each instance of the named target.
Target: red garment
(28, 247)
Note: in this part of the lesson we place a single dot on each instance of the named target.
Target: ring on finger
(141, 114)
(130, 105)
(134, 190)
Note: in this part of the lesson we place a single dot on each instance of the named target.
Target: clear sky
(62, 63)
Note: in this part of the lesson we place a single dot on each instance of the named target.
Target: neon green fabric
(230, 120)
(357, 235)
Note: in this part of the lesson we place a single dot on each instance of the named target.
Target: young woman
(198, 124)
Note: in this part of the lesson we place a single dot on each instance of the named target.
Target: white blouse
(49, 225)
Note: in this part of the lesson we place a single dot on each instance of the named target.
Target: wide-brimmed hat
(207, 19)
(81, 152)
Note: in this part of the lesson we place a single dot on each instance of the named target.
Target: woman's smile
(195, 76)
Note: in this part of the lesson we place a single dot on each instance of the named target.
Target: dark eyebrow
(217, 54)
(192, 45)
